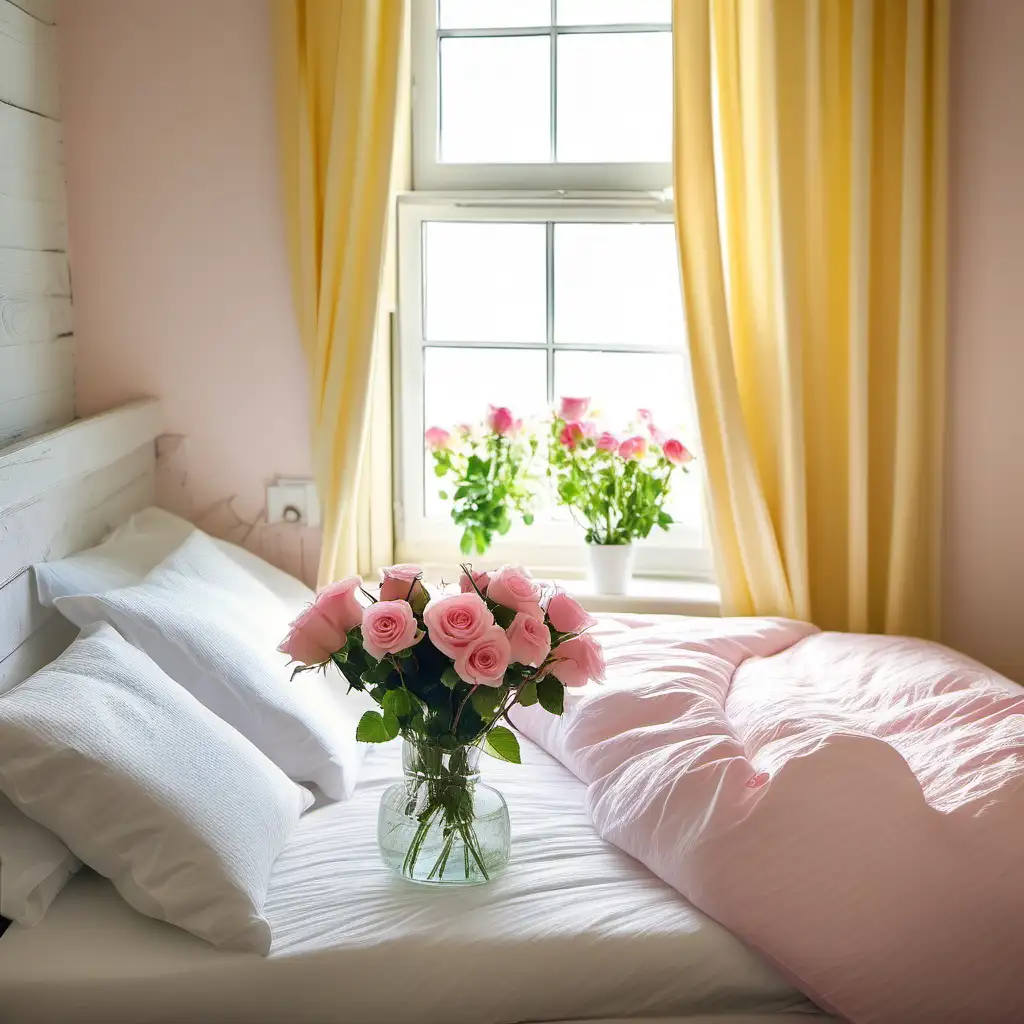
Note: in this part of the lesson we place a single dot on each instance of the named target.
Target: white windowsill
(649, 596)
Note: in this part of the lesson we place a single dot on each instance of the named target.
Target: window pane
(494, 100)
(615, 97)
(494, 13)
(618, 383)
(613, 12)
(617, 284)
(459, 383)
(485, 282)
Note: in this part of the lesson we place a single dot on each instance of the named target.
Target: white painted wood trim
(28, 62)
(75, 515)
(82, 447)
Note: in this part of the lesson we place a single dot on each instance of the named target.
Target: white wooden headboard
(61, 492)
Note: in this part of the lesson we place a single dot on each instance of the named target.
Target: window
(538, 254)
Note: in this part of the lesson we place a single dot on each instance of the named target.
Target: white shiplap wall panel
(36, 369)
(33, 369)
(35, 297)
(28, 61)
(44, 10)
(33, 223)
(34, 414)
(23, 272)
(32, 156)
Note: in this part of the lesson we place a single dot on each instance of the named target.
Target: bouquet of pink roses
(445, 670)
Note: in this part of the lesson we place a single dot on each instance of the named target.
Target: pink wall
(180, 275)
(984, 584)
(181, 284)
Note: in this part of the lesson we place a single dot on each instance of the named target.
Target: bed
(576, 929)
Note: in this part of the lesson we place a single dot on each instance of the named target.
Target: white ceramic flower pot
(611, 567)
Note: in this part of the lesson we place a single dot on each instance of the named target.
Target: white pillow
(137, 547)
(149, 788)
(214, 629)
(34, 866)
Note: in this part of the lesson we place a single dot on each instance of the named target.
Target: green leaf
(398, 702)
(391, 725)
(440, 471)
(466, 544)
(373, 729)
(377, 673)
(528, 693)
(450, 677)
(528, 518)
(503, 616)
(486, 700)
(551, 695)
(443, 495)
(502, 743)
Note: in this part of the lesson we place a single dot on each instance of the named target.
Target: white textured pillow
(149, 788)
(34, 866)
(214, 629)
(139, 546)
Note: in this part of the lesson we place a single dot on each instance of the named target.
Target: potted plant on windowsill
(615, 486)
(486, 471)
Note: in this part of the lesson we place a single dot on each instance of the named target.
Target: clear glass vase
(440, 824)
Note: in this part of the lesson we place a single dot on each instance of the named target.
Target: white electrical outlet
(291, 500)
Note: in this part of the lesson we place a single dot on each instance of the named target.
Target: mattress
(574, 929)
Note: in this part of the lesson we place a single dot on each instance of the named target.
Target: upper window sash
(430, 173)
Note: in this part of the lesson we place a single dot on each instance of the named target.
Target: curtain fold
(342, 84)
(810, 188)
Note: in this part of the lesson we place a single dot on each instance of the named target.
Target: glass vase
(441, 825)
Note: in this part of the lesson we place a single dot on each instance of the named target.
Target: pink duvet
(850, 806)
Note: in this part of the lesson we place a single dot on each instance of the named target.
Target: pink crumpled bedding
(852, 807)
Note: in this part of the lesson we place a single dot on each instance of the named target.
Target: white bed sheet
(574, 929)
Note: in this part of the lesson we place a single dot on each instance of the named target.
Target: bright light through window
(544, 261)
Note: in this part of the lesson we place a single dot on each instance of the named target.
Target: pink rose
(389, 627)
(529, 640)
(323, 627)
(453, 623)
(633, 447)
(573, 408)
(513, 588)
(437, 438)
(571, 435)
(484, 661)
(402, 583)
(658, 436)
(481, 579)
(676, 452)
(567, 615)
(607, 442)
(500, 419)
(578, 661)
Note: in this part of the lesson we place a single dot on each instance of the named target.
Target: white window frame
(550, 549)
(430, 174)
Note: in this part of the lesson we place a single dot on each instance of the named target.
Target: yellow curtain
(342, 87)
(810, 183)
